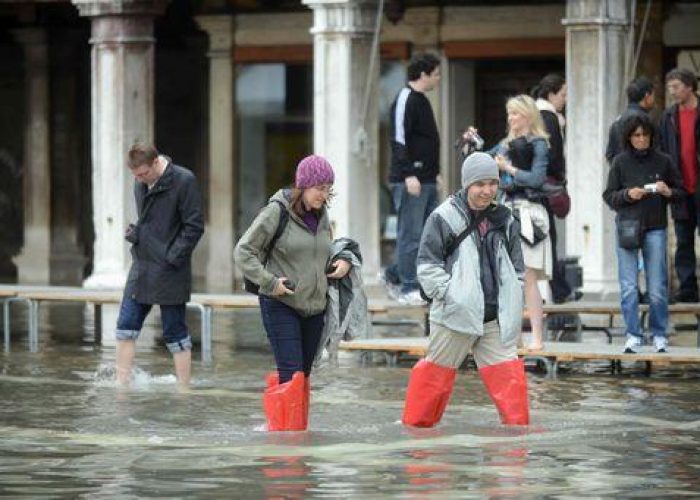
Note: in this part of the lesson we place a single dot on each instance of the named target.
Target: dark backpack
(248, 285)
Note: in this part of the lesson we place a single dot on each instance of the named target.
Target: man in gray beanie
(471, 265)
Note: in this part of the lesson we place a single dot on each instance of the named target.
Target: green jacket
(299, 254)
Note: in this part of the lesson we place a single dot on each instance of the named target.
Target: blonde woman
(522, 157)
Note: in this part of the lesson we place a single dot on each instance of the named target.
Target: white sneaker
(661, 344)
(632, 344)
(412, 298)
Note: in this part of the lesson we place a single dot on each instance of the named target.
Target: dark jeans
(685, 250)
(132, 315)
(294, 338)
(412, 213)
(561, 290)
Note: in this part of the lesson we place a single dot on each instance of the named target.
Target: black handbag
(629, 233)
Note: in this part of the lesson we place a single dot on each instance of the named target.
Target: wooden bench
(610, 310)
(552, 354)
(205, 304)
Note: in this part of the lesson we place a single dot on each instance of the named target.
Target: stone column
(33, 262)
(122, 113)
(222, 195)
(595, 57)
(342, 34)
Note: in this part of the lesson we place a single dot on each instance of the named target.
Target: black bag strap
(464, 234)
(284, 218)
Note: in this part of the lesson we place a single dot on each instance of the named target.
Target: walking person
(169, 226)
(292, 276)
(522, 157)
(680, 137)
(550, 95)
(641, 183)
(471, 264)
(415, 167)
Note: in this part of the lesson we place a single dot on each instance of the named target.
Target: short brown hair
(685, 76)
(142, 154)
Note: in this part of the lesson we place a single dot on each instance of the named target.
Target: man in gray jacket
(471, 265)
(169, 226)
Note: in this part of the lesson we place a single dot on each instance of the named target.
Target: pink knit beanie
(312, 171)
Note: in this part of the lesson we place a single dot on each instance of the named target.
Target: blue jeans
(132, 315)
(685, 249)
(294, 338)
(654, 254)
(412, 212)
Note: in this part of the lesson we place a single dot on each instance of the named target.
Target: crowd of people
(475, 257)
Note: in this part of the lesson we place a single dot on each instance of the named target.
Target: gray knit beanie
(478, 166)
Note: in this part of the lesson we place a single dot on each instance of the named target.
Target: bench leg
(6, 323)
(98, 323)
(33, 310)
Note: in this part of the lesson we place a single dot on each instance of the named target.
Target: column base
(33, 268)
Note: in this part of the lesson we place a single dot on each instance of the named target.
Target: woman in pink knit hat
(285, 252)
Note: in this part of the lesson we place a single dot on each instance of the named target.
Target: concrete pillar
(342, 34)
(595, 57)
(33, 262)
(222, 195)
(122, 113)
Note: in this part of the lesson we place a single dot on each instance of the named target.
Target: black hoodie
(635, 168)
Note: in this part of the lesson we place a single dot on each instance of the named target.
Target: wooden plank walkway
(552, 354)
(205, 304)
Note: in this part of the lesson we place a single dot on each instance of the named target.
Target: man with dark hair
(169, 226)
(680, 135)
(415, 166)
(640, 97)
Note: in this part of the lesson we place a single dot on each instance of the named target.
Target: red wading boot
(284, 403)
(507, 385)
(428, 392)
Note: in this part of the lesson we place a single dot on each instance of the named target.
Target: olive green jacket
(299, 254)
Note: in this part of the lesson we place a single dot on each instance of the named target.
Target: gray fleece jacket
(299, 254)
(454, 281)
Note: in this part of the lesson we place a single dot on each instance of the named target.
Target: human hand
(281, 289)
(340, 269)
(413, 185)
(636, 193)
(663, 189)
(502, 162)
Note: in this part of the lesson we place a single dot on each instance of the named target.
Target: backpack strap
(284, 218)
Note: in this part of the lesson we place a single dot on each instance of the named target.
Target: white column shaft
(222, 195)
(595, 52)
(342, 48)
(33, 261)
(122, 114)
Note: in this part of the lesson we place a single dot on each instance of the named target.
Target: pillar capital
(94, 8)
(343, 16)
(220, 30)
(596, 13)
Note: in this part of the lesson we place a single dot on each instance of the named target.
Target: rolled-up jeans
(654, 253)
(132, 314)
(412, 212)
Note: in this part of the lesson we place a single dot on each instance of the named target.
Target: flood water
(67, 432)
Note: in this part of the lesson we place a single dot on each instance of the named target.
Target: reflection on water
(67, 431)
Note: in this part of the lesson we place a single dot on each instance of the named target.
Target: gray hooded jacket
(454, 282)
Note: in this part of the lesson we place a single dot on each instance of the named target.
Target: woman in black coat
(641, 183)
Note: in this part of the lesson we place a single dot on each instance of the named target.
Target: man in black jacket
(680, 136)
(169, 225)
(640, 96)
(415, 166)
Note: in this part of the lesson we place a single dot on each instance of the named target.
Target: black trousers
(561, 289)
